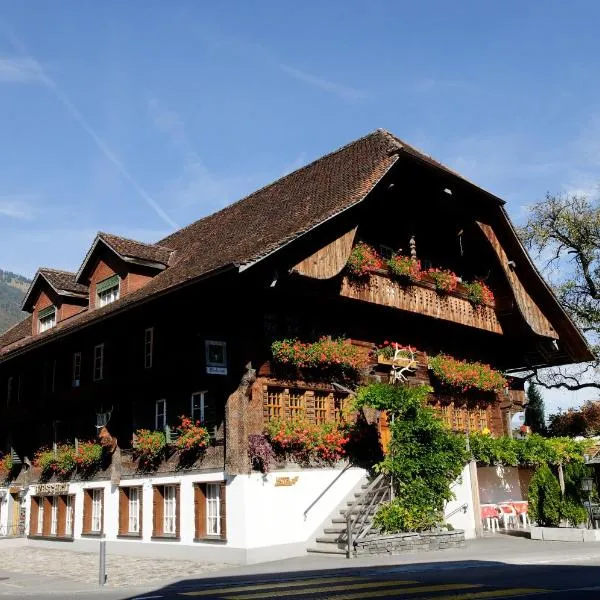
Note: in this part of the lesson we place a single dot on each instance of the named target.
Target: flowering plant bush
(404, 267)
(303, 440)
(326, 352)
(88, 456)
(363, 259)
(465, 375)
(445, 280)
(149, 446)
(65, 459)
(6, 466)
(192, 436)
(260, 452)
(479, 293)
(388, 350)
(46, 461)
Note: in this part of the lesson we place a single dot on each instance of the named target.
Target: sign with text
(285, 481)
(51, 489)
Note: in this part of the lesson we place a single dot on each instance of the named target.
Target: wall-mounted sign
(51, 489)
(216, 370)
(285, 481)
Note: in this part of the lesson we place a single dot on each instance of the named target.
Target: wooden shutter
(200, 509)
(123, 510)
(33, 515)
(61, 526)
(177, 510)
(223, 509)
(87, 511)
(158, 510)
(102, 510)
(47, 515)
(141, 515)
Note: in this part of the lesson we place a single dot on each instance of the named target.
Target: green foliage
(544, 498)
(149, 447)
(399, 515)
(424, 457)
(573, 513)
(534, 450)
(534, 411)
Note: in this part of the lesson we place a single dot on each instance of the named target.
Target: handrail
(462, 507)
(326, 489)
(378, 489)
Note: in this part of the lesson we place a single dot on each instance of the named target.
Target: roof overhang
(60, 292)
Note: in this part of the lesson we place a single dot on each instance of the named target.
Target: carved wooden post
(413, 247)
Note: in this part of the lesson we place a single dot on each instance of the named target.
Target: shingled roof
(259, 224)
(63, 281)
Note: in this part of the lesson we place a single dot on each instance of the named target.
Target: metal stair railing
(378, 491)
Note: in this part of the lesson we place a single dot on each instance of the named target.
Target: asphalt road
(486, 569)
(471, 580)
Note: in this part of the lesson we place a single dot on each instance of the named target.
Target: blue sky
(134, 117)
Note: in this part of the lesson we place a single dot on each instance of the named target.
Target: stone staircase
(363, 503)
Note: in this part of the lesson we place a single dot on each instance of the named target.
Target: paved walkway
(123, 571)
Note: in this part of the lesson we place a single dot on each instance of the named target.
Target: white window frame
(69, 517)
(96, 520)
(48, 321)
(213, 509)
(98, 362)
(76, 375)
(148, 347)
(200, 407)
(54, 515)
(40, 520)
(170, 509)
(110, 295)
(162, 414)
(221, 344)
(133, 501)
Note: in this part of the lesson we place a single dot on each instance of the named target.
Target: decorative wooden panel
(527, 307)
(421, 299)
(329, 260)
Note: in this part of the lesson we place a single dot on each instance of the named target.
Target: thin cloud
(18, 70)
(344, 92)
(78, 116)
(17, 207)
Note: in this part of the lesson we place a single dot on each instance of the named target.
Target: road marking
(374, 594)
(514, 592)
(146, 597)
(269, 586)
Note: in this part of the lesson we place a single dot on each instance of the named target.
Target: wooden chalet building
(144, 333)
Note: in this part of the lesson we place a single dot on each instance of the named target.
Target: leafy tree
(424, 457)
(573, 422)
(534, 411)
(544, 498)
(564, 231)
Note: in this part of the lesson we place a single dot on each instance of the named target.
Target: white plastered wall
(460, 510)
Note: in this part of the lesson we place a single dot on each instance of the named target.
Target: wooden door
(16, 508)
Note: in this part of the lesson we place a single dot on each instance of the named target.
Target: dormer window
(108, 290)
(46, 319)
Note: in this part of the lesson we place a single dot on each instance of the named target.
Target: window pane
(213, 499)
(97, 510)
(54, 516)
(40, 523)
(134, 510)
(69, 516)
(169, 509)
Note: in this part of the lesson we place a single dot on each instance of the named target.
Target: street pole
(102, 577)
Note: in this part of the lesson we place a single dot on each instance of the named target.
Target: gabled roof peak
(62, 282)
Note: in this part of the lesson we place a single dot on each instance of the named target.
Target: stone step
(326, 549)
(328, 539)
(372, 511)
(341, 528)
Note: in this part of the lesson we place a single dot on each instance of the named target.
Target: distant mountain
(12, 292)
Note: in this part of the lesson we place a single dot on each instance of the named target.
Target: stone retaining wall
(411, 542)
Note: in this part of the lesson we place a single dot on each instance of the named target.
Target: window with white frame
(197, 406)
(213, 509)
(148, 347)
(46, 319)
(98, 362)
(170, 509)
(160, 419)
(134, 510)
(54, 516)
(108, 290)
(40, 521)
(216, 357)
(76, 380)
(69, 516)
(97, 510)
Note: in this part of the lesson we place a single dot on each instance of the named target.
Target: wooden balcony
(422, 298)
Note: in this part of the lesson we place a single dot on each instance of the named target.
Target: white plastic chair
(508, 515)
